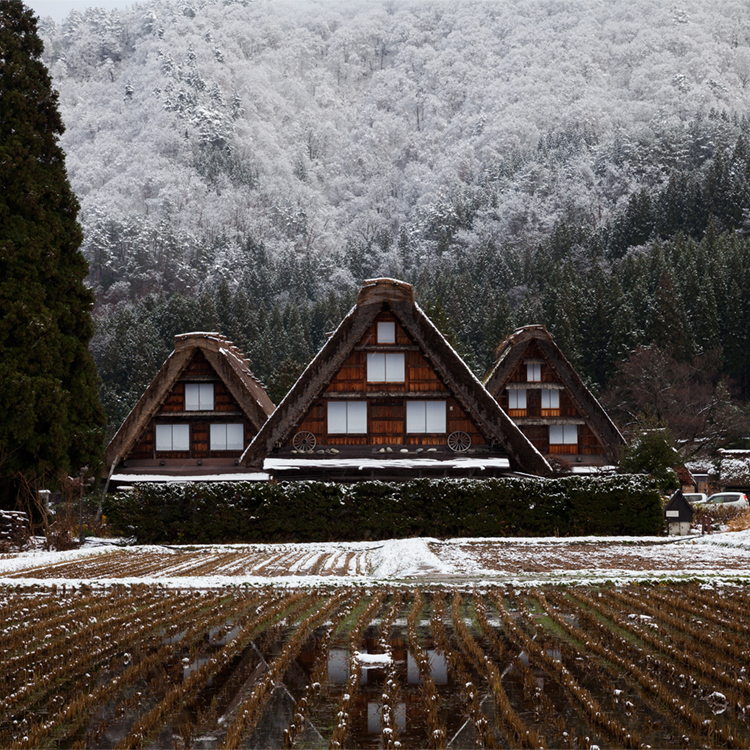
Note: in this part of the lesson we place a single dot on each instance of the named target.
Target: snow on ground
(717, 558)
(407, 558)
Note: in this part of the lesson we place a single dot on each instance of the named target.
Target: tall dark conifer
(51, 416)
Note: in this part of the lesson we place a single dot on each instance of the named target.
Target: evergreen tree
(52, 417)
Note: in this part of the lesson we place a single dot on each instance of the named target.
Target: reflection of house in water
(438, 669)
(409, 716)
(366, 708)
(375, 717)
(338, 666)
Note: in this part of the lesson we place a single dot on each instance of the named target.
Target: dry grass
(741, 522)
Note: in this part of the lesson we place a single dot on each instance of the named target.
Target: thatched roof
(734, 468)
(513, 350)
(397, 297)
(230, 365)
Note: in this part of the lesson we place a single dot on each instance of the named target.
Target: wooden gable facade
(414, 407)
(388, 387)
(541, 392)
(198, 415)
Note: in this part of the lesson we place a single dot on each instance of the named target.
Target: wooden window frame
(172, 449)
(201, 387)
(386, 357)
(565, 446)
(550, 411)
(347, 403)
(412, 404)
(515, 410)
(385, 339)
(226, 426)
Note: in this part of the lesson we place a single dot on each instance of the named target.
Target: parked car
(695, 498)
(726, 500)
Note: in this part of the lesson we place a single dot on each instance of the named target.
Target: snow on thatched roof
(734, 468)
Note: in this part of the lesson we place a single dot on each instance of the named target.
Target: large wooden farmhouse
(197, 416)
(543, 394)
(387, 397)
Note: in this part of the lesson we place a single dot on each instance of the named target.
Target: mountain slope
(192, 126)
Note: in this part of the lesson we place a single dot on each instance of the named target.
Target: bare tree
(689, 398)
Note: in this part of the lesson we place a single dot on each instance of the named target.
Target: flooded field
(143, 666)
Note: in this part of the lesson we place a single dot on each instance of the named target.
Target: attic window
(425, 416)
(386, 367)
(199, 397)
(533, 372)
(172, 437)
(227, 437)
(550, 398)
(517, 402)
(347, 417)
(386, 332)
(550, 402)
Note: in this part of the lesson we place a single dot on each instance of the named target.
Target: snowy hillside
(192, 126)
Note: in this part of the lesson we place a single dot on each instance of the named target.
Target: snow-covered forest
(243, 164)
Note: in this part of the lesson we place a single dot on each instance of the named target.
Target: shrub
(205, 512)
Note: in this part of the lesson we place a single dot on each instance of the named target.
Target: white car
(727, 500)
(695, 498)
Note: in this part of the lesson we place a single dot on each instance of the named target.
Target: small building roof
(684, 475)
(678, 508)
(397, 297)
(734, 468)
(230, 365)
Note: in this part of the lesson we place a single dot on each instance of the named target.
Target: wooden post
(80, 509)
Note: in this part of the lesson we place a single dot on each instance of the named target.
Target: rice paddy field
(410, 644)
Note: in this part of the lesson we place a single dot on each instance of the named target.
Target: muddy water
(366, 715)
(536, 697)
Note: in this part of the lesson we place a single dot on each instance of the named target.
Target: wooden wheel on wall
(304, 441)
(459, 441)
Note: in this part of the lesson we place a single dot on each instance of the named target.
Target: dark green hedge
(315, 511)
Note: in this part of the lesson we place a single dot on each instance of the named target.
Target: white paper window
(550, 398)
(533, 372)
(347, 417)
(386, 332)
(227, 437)
(386, 367)
(517, 398)
(199, 397)
(172, 437)
(563, 434)
(425, 416)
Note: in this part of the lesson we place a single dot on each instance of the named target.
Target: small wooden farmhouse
(542, 393)
(387, 397)
(198, 415)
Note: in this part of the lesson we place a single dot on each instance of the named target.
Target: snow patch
(401, 558)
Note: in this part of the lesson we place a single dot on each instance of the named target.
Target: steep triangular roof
(397, 297)
(513, 350)
(678, 502)
(230, 365)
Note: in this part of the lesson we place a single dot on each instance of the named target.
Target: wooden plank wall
(588, 445)
(199, 370)
(386, 410)
(539, 434)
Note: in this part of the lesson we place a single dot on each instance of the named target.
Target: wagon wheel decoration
(304, 441)
(459, 441)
